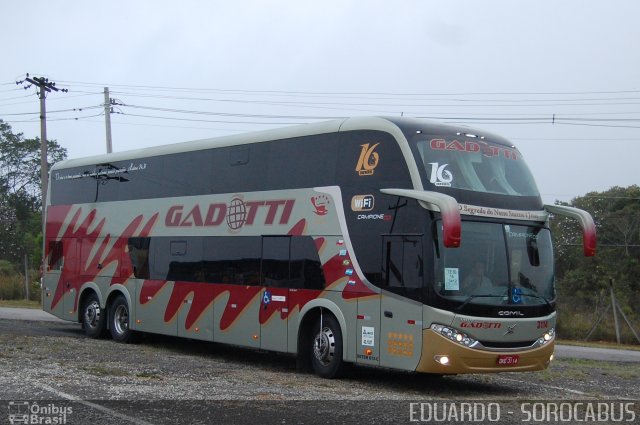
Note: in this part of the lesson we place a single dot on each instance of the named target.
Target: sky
(560, 79)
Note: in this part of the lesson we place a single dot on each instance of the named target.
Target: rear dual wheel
(94, 318)
(119, 320)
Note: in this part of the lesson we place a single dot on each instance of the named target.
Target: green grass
(148, 375)
(591, 368)
(21, 303)
(105, 371)
(599, 344)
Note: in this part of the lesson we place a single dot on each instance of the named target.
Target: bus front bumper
(460, 359)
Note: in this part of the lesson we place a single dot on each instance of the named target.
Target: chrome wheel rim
(92, 314)
(121, 319)
(324, 346)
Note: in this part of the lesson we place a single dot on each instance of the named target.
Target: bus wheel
(326, 348)
(93, 317)
(119, 319)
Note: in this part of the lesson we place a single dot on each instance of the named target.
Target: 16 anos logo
(440, 176)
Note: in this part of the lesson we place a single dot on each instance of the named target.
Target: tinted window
(252, 167)
(56, 255)
(280, 261)
(312, 160)
(233, 260)
(139, 255)
(403, 265)
(496, 265)
(275, 260)
(475, 165)
(306, 269)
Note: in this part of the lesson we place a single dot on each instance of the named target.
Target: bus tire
(119, 320)
(94, 318)
(326, 348)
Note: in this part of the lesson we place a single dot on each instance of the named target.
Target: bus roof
(392, 125)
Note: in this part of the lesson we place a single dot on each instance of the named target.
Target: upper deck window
(475, 165)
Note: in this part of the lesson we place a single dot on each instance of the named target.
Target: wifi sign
(362, 203)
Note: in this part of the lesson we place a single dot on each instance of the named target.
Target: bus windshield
(475, 165)
(498, 264)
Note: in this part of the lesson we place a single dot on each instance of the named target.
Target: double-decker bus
(389, 242)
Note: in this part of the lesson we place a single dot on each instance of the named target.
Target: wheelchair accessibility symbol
(516, 296)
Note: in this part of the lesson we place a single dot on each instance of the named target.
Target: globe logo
(236, 214)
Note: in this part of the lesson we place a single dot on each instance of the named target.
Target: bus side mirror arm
(435, 201)
(586, 222)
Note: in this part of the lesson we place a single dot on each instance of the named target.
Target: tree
(583, 283)
(20, 166)
(20, 200)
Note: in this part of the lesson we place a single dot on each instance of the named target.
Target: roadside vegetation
(584, 284)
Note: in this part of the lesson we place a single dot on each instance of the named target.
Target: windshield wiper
(476, 296)
(546, 301)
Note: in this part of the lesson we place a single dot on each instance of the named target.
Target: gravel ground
(54, 361)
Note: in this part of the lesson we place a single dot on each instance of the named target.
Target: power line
(56, 111)
(216, 121)
(200, 89)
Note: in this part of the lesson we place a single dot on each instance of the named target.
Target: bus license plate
(508, 359)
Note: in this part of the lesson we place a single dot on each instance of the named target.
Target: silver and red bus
(390, 242)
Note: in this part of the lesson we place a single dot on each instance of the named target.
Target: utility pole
(44, 86)
(107, 118)
(26, 277)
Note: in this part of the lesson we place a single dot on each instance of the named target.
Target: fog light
(550, 358)
(443, 360)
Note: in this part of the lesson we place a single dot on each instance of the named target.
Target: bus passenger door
(70, 271)
(400, 310)
(57, 297)
(274, 305)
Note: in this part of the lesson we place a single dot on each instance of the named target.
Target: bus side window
(139, 256)
(291, 262)
(275, 261)
(306, 268)
(56, 255)
(402, 259)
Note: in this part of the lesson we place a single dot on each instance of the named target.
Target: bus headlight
(546, 337)
(454, 335)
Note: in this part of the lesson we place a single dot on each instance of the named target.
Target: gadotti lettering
(472, 147)
(240, 211)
